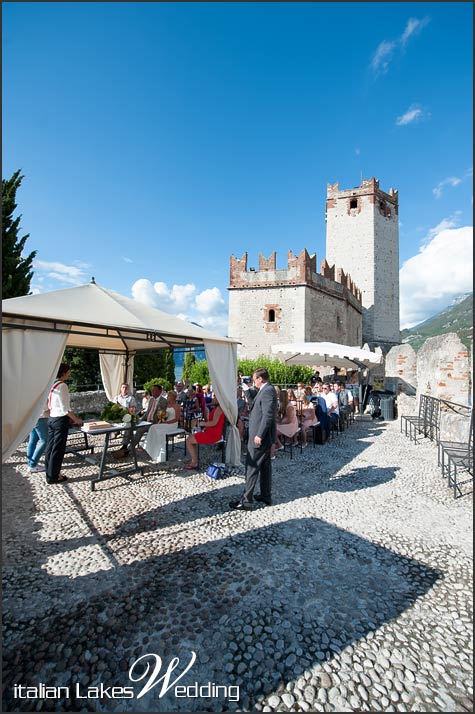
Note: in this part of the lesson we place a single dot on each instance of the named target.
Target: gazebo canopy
(103, 319)
(326, 354)
(37, 328)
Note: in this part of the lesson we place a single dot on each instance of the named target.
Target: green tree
(199, 372)
(169, 366)
(189, 361)
(16, 270)
(85, 368)
(154, 362)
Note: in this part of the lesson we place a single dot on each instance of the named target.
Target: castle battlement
(301, 270)
(369, 188)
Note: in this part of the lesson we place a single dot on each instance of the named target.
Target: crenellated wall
(294, 304)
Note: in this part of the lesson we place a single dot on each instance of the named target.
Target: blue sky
(158, 139)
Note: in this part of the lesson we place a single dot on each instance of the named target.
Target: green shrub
(279, 373)
(157, 380)
(113, 412)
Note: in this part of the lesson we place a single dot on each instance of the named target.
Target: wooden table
(115, 429)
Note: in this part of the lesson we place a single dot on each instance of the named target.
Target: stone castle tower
(296, 304)
(363, 238)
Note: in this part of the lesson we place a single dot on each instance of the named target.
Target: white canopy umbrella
(37, 328)
(326, 354)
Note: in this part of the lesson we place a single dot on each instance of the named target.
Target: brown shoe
(121, 454)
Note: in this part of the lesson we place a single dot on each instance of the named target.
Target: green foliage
(169, 366)
(154, 362)
(199, 372)
(85, 368)
(189, 361)
(113, 412)
(16, 270)
(279, 373)
(158, 380)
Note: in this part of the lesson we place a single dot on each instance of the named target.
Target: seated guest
(211, 432)
(191, 408)
(300, 391)
(345, 396)
(145, 400)
(208, 394)
(331, 400)
(156, 403)
(181, 395)
(293, 399)
(309, 416)
(125, 399)
(287, 422)
(201, 399)
(155, 444)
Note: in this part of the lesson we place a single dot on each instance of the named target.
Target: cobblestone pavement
(351, 593)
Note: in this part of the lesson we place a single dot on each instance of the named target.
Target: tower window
(338, 322)
(353, 203)
(271, 315)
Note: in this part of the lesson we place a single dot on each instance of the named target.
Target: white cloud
(440, 271)
(449, 181)
(413, 114)
(382, 57)
(387, 48)
(181, 296)
(207, 308)
(127, 260)
(66, 274)
(209, 301)
(413, 27)
(357, 151)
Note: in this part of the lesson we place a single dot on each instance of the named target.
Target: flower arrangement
(130, 418)
(161, 416)
(113, 412)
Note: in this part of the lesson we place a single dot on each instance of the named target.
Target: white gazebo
(326, 354)
(329, 354)
(37, 328)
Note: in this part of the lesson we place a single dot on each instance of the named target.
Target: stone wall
(443, 369)
(401, 370)
(94, 402)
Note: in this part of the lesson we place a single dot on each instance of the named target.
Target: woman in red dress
(212, 431)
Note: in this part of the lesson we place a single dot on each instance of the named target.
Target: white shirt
(59, 400)
(125, 402)
(331, 399)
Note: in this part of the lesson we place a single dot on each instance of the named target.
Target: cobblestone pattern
(351, 593)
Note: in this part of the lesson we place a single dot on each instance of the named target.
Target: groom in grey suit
(262, 434)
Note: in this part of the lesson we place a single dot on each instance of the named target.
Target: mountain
(458, 318)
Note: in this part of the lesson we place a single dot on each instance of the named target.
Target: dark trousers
(258, 465)
(58, 428)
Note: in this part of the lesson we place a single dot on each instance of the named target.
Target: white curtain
(222, 364)
(113, 372)
(30, 361)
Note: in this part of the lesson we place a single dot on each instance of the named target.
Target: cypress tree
(16, 270)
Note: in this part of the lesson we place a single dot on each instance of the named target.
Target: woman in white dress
(156, 445)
